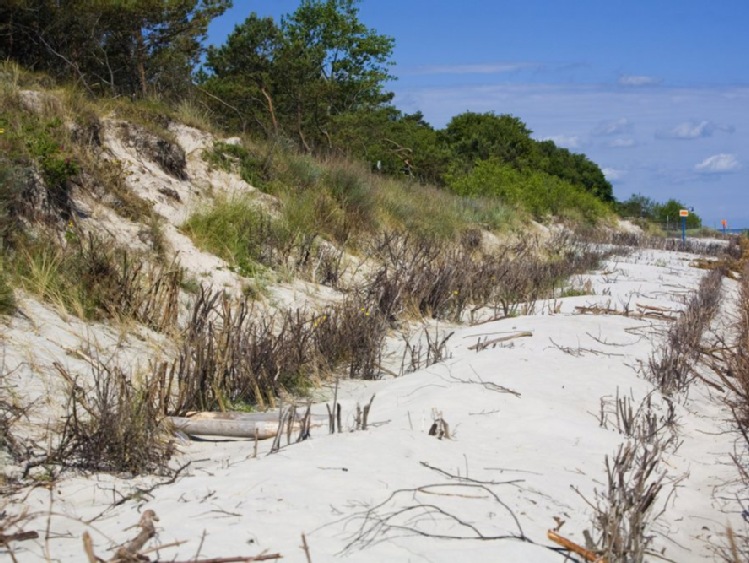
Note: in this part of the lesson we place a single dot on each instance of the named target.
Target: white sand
(529, 451)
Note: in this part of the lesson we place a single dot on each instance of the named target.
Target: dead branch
(384, 518)
(134, 550)
(482, 345)
(580, 351)
(130, 551)
(6, 539)
(305, 547)
(574, 548)
(491, 386)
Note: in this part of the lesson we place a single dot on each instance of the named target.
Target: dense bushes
(541, 194)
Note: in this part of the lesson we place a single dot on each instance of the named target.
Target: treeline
(315, 80)
(642, 207)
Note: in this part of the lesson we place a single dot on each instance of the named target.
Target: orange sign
(724, 223)
(683, 213)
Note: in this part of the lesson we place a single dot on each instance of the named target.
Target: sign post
(724, 223)
(683, 213)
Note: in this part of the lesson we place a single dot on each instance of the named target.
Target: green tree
(318, 64)
(336, 65)
(132, 47)
(575, 168)
(637, 206)
(479, 136)
(243, 75)
(386, 138)
(668, 213)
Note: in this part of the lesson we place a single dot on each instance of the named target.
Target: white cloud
(622, 143)
(718, 164)
(632, 80)
(615, 127)
(661, 171)
(566, 141)
(693, 130)
(613, 174)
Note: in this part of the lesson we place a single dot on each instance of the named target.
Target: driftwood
(5, 539)
(646, 312)
(258, 426)
(596, 310)
(131, 549)
(482, 345)
(134, 549)
(575, 548)
(657, 309)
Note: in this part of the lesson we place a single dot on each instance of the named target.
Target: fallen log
(258, 426)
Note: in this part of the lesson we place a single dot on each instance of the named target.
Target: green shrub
(351, 186)
(296, 171)
(237, 158)
(541, 194)
(41, 142)
(238, 232)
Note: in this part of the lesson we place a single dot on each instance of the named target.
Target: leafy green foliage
(539, 193)
(639, 206)
(574, 168)
(293, 78)
(235, 230)
(473, 137)
(138, 47)
(385, 139)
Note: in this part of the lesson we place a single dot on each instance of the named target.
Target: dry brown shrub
(112, 424)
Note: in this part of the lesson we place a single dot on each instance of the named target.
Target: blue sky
(656, 92)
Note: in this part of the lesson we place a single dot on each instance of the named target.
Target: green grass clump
(7, 297)
(236, 231)
(80, 279)
(231, 157)
(92, 279)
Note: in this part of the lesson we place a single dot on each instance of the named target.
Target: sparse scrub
(114, 424)
(93, 281)
(633, 240)
(730, 363)
(230, 354)
(10, 412)
(671, 369)
(429, 277)
(623, 512)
